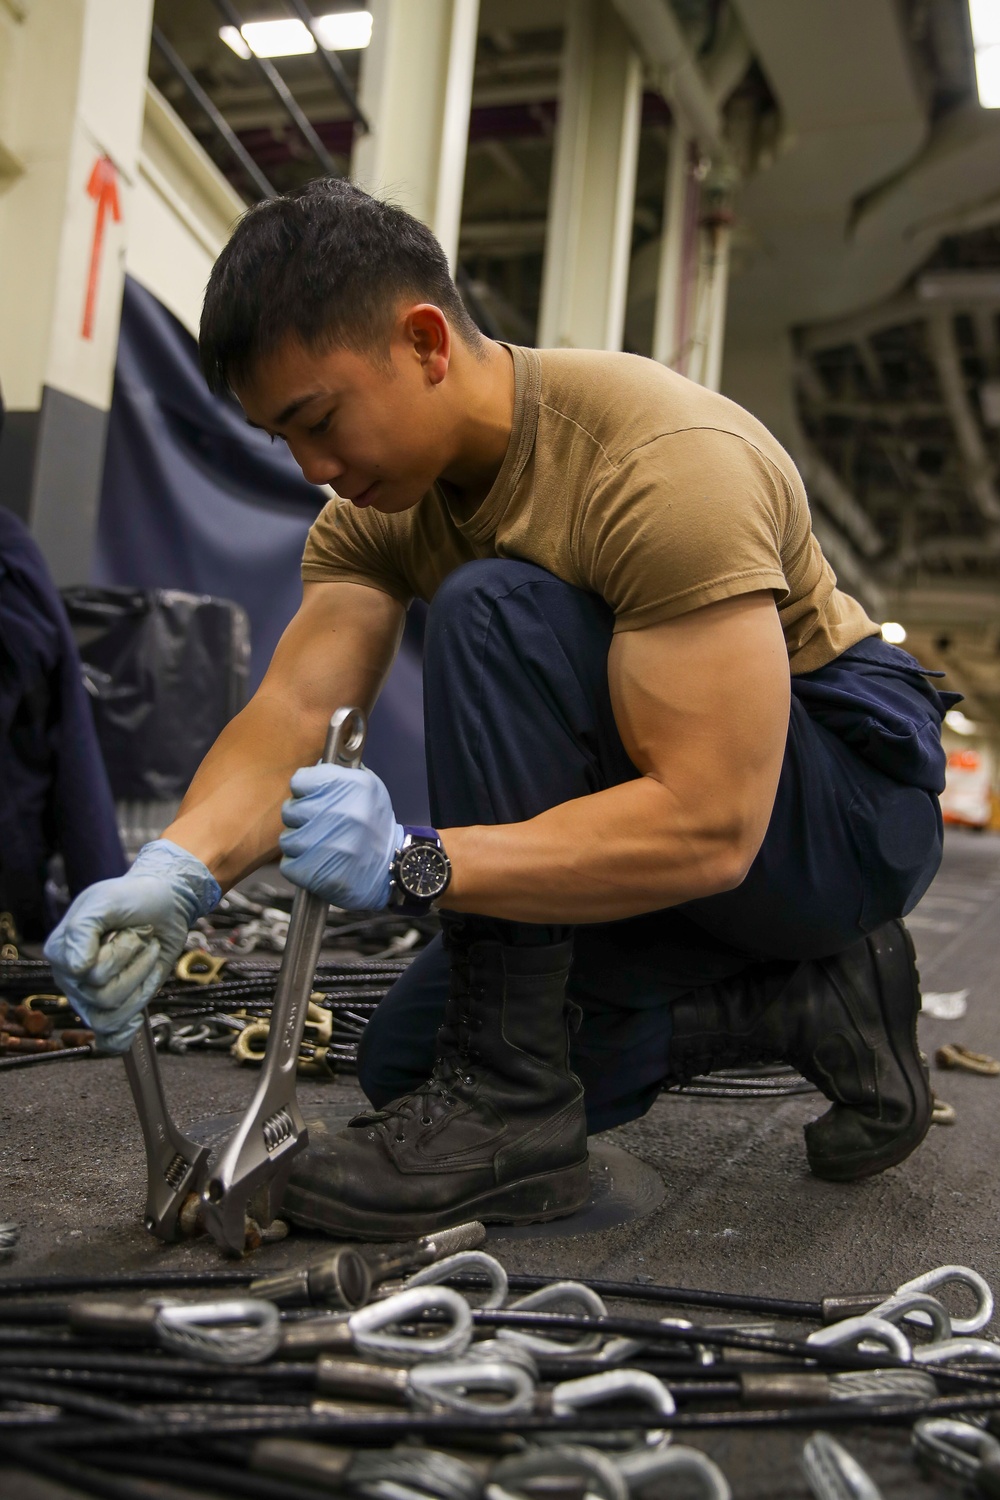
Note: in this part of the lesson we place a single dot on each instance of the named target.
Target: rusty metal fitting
(198, 967)
(35, 1022)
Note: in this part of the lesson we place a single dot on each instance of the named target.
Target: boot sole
(902, 1037)
(530, 1200)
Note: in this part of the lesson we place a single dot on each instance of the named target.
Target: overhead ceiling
(868, 169)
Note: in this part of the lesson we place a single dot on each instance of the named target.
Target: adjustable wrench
(175, 1165)
(251, 1171)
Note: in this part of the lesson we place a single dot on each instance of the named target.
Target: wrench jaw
(250, 1181)
(175, 1166)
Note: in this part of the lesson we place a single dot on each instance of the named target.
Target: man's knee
(481, 583)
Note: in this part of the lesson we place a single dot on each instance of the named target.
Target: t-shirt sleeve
(684, 521)
(354, 546)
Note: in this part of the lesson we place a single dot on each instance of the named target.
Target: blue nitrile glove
(121, 938)
(341, 836)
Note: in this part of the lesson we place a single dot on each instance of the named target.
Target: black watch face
(423, 870)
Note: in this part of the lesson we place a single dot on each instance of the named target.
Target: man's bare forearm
(337, 650)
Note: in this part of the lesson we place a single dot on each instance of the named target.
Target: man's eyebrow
(289, 411)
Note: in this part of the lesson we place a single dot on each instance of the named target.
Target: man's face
(371, 431)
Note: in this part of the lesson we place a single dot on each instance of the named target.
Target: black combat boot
(848, 1023)
(497, 1133)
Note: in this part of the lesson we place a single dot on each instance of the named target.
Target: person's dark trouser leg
(519, 719)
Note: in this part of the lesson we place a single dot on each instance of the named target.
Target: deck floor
(741, 1211)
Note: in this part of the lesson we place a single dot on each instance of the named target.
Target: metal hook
(852, 1333)
(943, 1276)
(451, 1385)
(833, 1474)
(604, 1480)
(243, 1331)
(956, 1447)
(465, 1260)
(557, 1293)
(950, 1350)
(611, 1385)
(901, 1307)
(367, 1326)
(644, 1465)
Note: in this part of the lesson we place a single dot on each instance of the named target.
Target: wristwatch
(419, 873)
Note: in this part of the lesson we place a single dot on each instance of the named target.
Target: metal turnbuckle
(833, 1473)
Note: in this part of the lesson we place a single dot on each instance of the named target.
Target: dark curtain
(196, 499)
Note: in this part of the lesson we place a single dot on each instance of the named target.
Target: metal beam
(592, 196)
(976, 461)
(659, 38)
(280, 88)
(332, 63)
(218, 120)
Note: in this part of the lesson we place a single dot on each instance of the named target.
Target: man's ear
(427, 333)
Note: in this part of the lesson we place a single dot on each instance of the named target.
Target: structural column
(592, 197)
(416, 90)
(677, 252)
(70, 128)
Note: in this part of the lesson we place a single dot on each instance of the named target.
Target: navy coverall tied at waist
(519, 719)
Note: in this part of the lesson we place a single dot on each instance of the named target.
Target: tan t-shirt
(630, 481)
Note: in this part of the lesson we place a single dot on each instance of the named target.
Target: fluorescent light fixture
(278, 38)
(341, 31)
(345, 30)
(893, 632)
(988, 76)
(985, 17)
(955, 719)
(232, 38)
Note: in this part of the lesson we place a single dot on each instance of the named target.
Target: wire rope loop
(564, 1295)
(511, 1478)
(462, 1263)
(955, 1447)
(901, 1308)
(412, 1474)
(571, 1396)
(834, 1474)
(952, 1350)
(370, 1326)
(241, 1331)
(962, 1276)
(855, 1333)
(676, 1462)
(510, 1353)
(474, 1387)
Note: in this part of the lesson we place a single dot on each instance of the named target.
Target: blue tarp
(195, 499)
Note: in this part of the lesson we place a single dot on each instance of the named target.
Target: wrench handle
(255, 1162)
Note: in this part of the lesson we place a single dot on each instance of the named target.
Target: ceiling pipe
(657, 35)
(979, 472)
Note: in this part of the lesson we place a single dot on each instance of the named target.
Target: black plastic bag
(166, 672)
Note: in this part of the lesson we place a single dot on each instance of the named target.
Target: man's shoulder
(626, 401)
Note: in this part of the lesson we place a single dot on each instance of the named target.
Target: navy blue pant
(518, 719)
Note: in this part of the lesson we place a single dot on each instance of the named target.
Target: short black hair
(327, 264)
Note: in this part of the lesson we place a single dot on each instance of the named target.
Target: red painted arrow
(103, 188)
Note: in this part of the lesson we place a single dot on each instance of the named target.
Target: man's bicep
(338, 647)
(701, 704)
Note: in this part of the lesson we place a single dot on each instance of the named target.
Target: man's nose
(317, 467)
